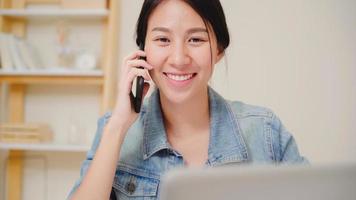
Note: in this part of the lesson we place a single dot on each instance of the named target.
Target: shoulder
(257, 114)
(242, 110)
(133, 138)
(103, 120)
(263, 131)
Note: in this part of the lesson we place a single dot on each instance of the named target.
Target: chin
(180, 92)
(182, 96)
(176, 97)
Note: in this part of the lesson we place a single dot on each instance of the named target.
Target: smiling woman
(176, 50)
(184, 122)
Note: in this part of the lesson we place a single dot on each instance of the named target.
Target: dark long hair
(210, 11)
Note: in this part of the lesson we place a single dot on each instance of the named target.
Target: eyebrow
(190, 31)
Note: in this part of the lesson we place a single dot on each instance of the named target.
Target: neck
(184, 118)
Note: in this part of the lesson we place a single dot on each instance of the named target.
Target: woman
(184, 122)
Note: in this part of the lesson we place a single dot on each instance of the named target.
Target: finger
(134, 72)
(139, 63)
(146, 88)
(134, 55)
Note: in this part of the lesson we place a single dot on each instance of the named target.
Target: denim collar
(226, 143)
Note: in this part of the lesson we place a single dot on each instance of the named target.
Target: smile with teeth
(178, 77)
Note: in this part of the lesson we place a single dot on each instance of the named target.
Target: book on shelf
(25, 133)
(28, 54)
(17, 54)
(6, 60)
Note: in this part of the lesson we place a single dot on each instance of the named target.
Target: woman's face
(177, 46)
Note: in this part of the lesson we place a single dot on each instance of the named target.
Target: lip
(179, 83)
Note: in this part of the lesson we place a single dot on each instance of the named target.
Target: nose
(179, 56)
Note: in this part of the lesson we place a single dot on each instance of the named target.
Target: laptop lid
(336, 182)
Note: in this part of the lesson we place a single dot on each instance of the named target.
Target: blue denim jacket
(239, 133)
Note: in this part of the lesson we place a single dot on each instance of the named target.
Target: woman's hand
(123, 113)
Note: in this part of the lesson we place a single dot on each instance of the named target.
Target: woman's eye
(162, 40)
(196, 40)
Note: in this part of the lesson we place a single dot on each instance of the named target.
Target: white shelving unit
(53, 72)
(46, 147)
(30, 19)
(39, 13)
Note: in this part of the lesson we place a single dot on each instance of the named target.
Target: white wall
(298, 58)
(295, 57)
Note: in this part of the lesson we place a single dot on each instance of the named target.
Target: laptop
(326, 182)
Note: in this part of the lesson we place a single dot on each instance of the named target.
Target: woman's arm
(288, 150)
(98, 180)
(99, 169)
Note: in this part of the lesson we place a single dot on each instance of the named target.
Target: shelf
(55, 12)
(44, 147)
(53, 76)
(52, 72)
(37, 18)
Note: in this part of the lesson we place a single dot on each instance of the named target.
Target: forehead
(174, 14)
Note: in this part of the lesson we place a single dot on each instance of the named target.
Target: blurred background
(294, 57)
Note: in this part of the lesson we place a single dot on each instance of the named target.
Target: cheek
(202, 58)
(155, 57)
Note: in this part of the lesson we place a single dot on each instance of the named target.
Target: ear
(220, 55)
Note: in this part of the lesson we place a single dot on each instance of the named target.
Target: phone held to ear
(137, 100)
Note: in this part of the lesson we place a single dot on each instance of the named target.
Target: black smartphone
(137, 100)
